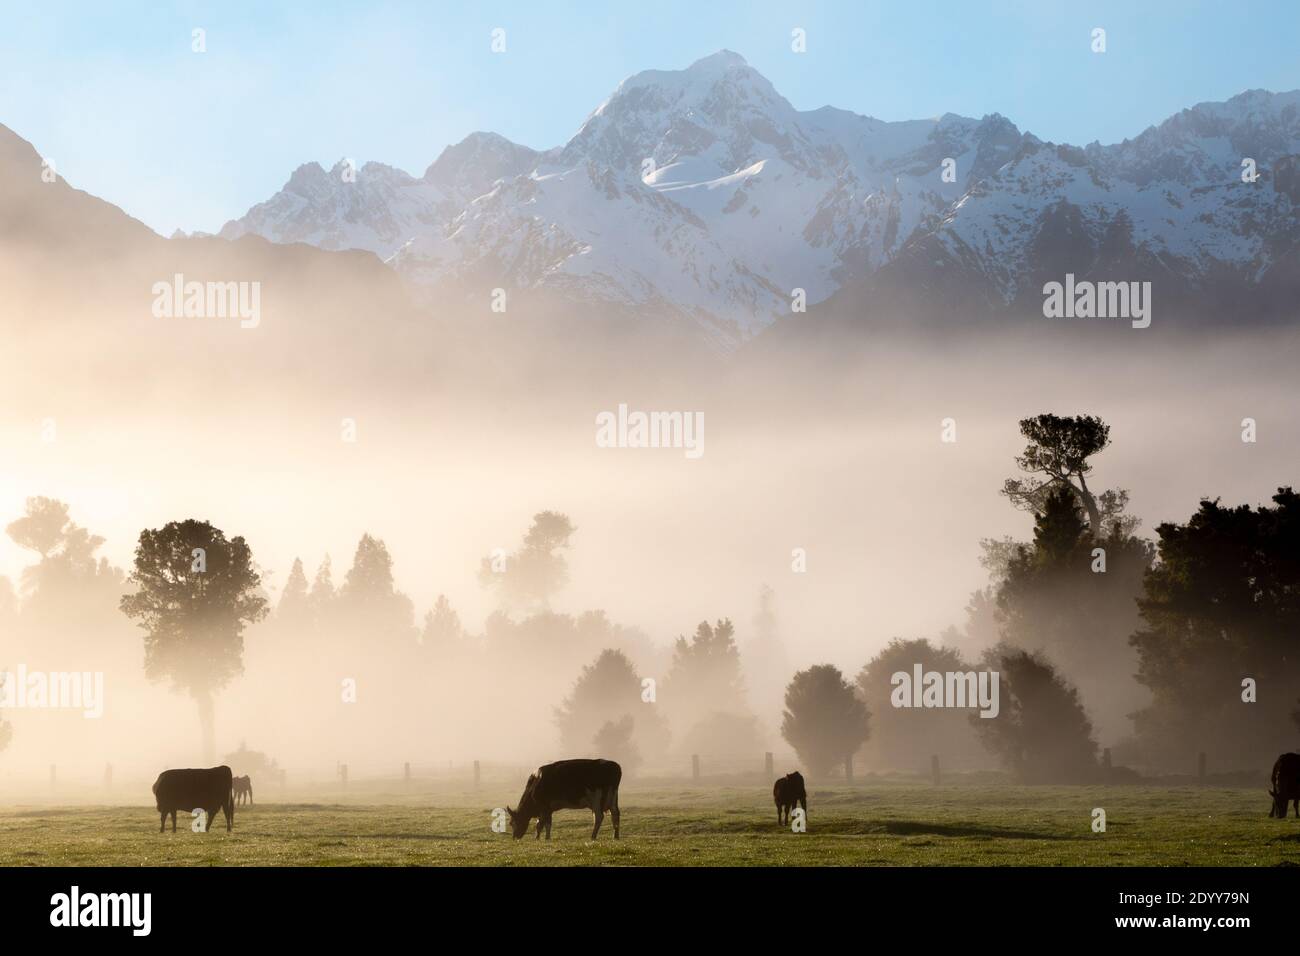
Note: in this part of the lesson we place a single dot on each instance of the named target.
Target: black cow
(1286, 785)
(568, 785)
(243, 787)
(788, 791)
(208, 790)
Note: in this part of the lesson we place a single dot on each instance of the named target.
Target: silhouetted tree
(1056, 597)
(1041, 732)
(528, 578)
(705, 675)
(1221, 606)
(322, 589)
(824, 722)
(68, 581)
(904, 738)
(442, 628)
(1057, 456)
(369, 598)
(609, 690)
(614, 742)
(197, 591)
(294, 609)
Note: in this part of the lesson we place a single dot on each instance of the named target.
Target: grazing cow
(1286, 785)
(788, 791)
(568, 785)
(209, 790)
(243, 787)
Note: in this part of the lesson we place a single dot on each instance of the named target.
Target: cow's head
(518, 822)
(1279, 805)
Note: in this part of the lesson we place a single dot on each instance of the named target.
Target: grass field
(902, 825)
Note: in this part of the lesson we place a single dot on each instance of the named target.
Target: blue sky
(113, 94)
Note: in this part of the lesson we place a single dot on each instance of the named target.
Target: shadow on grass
(841, 826)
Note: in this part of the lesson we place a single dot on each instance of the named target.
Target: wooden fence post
(343, 773)
(695, 767)
(477, 775)
(406, 771)
(767, 763)
(934, 769)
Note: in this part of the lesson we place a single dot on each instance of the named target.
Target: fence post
(695, 767)
(934, 769)
(767, 763)
(406, 771)
(343, 773)
(108, 776)
(477, 775)
(1200, 766)
(848, 769)
(1105, 760)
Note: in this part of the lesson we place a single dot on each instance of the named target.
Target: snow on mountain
(702, 192)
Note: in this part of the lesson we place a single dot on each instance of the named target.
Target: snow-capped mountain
(703, 193)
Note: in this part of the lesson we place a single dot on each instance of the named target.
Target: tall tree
(609, 689)
(294, 609)
(322, 588)
(369, 594)
(904, 738)
(197, 591)
(1074, 597)
(1041, 732)
(705, 675)
(825, 721)
(528, 578)
(1058, 455)
(1220, 645)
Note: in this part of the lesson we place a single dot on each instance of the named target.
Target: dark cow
(788, 791)
(1286, 785)
(243, 787)
(568, 785)
(208, 790)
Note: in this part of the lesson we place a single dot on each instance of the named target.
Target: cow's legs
(613, 812)
(162, 824)
(600, 818)
(540, 827)
(249, 793)
(173, 821)
(548, 825)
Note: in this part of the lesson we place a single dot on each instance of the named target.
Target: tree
(442, 628)
(529, 578)
(1057, 456)
(1041, 732)
(369, 596)
(614, 742)
(1221, 608)
(609, 689)
(824, 721)
(294, 609)
(197, 591)
(68, 581)
(705, 675)
(903, 738)
(1058, 597)
(322, 596)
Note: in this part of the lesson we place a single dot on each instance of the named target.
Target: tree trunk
(208, 725)
(1090, 505)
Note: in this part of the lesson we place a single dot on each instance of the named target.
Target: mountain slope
(703, 195)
